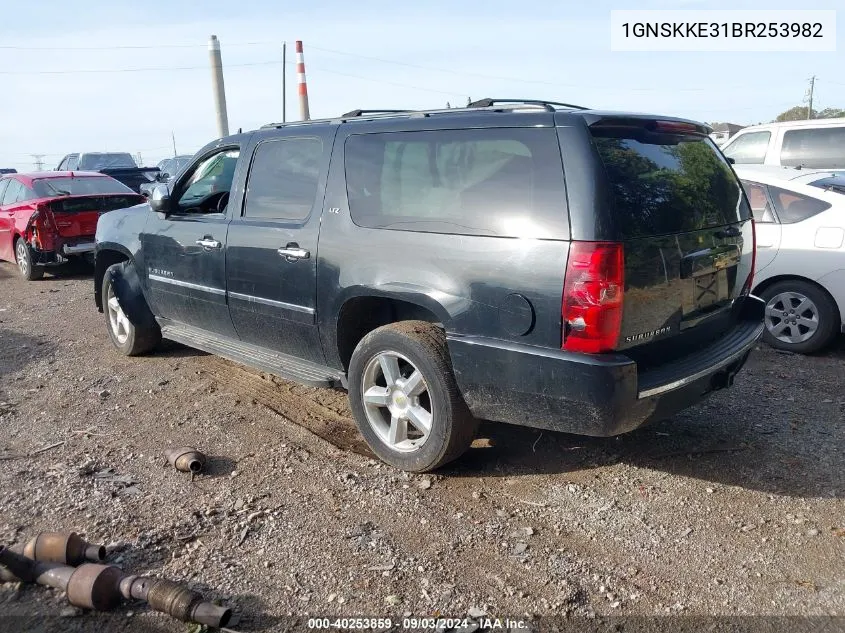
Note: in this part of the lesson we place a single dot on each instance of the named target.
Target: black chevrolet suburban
(528, 262)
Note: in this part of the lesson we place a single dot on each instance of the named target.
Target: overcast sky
(368, 54)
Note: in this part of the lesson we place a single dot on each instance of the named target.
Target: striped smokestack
(304, 113)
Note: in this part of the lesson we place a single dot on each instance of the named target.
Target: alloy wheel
(792, 317)
(397, 401)
(21, 255)
(118, 320)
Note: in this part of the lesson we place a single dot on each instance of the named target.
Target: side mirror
(163, 176)
(160, 199)
(732, 161)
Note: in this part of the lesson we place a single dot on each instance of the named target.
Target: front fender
(127, 288)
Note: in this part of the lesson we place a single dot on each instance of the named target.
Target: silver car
(800, 224)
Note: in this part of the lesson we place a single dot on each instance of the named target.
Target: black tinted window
(749, 148)
(794, 207)
(668, 184)
(283, 179)
(498, 182)
(819, 147)
(49, 187)
(105, 161)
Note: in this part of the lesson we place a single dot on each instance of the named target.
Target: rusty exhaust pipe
(90, 586)
(185, 458)
(100, 587)
(175, 600)
(60, 547)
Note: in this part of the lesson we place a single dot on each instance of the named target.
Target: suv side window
(72, 162)
(283, 179)
(761, 207)
(822, 147)
(62, 165)
(505, 182)
(794, 207)
(208, 182)
(749, 149)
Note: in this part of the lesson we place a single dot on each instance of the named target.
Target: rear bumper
(78, 249)
(599, 395)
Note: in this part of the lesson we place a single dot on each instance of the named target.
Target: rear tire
(129, 339)
(26, 266)
(404, 397)
(800, 316)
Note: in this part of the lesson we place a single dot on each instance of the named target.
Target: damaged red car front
(47, 218)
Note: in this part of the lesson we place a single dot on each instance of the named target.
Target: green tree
(831, 113)
(798, 113)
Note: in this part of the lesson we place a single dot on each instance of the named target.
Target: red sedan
(48, 217)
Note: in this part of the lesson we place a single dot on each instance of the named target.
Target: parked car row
(440, 267)
(119, 165)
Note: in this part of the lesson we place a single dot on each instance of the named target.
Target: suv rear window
(667, 184)
(822, 147)
(494, 181)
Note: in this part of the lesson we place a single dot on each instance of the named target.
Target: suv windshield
(96, 161)
(88, 185)
(668, 184)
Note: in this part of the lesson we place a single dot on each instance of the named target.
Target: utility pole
(39, 161)
(284, 82)
(810, 106)
(217, 86)
(173, 137)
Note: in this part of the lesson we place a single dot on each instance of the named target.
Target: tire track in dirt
(323, 412)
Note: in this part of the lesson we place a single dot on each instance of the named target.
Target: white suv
(815, 143)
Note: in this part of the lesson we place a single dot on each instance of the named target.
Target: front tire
(23, 257)
(129, 339)
(404, 397)
(800, 317)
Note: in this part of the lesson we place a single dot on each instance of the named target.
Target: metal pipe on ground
(101, 587)
(185, 458)
(61, 547)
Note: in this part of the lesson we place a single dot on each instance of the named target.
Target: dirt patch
(735, 507)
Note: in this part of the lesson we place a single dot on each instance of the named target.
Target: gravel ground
(734, 507)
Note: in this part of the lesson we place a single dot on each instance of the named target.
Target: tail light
(592, 297)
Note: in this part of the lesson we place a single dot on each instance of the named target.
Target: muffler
(185, 458)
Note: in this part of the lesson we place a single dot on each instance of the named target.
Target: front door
(272, 246)
(184, 253)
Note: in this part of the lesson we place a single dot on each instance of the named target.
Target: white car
(800, 255)
(814, 144)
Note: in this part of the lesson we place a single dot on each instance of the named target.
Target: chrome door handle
(292, 253)
(209, 243)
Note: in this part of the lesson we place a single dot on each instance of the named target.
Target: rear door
(184, 253)
(680, 212)
(271, 261)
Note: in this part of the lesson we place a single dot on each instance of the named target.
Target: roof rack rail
(354, 113)
(548, 105)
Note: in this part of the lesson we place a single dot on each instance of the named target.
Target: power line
(122, 47)
(127, 70)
